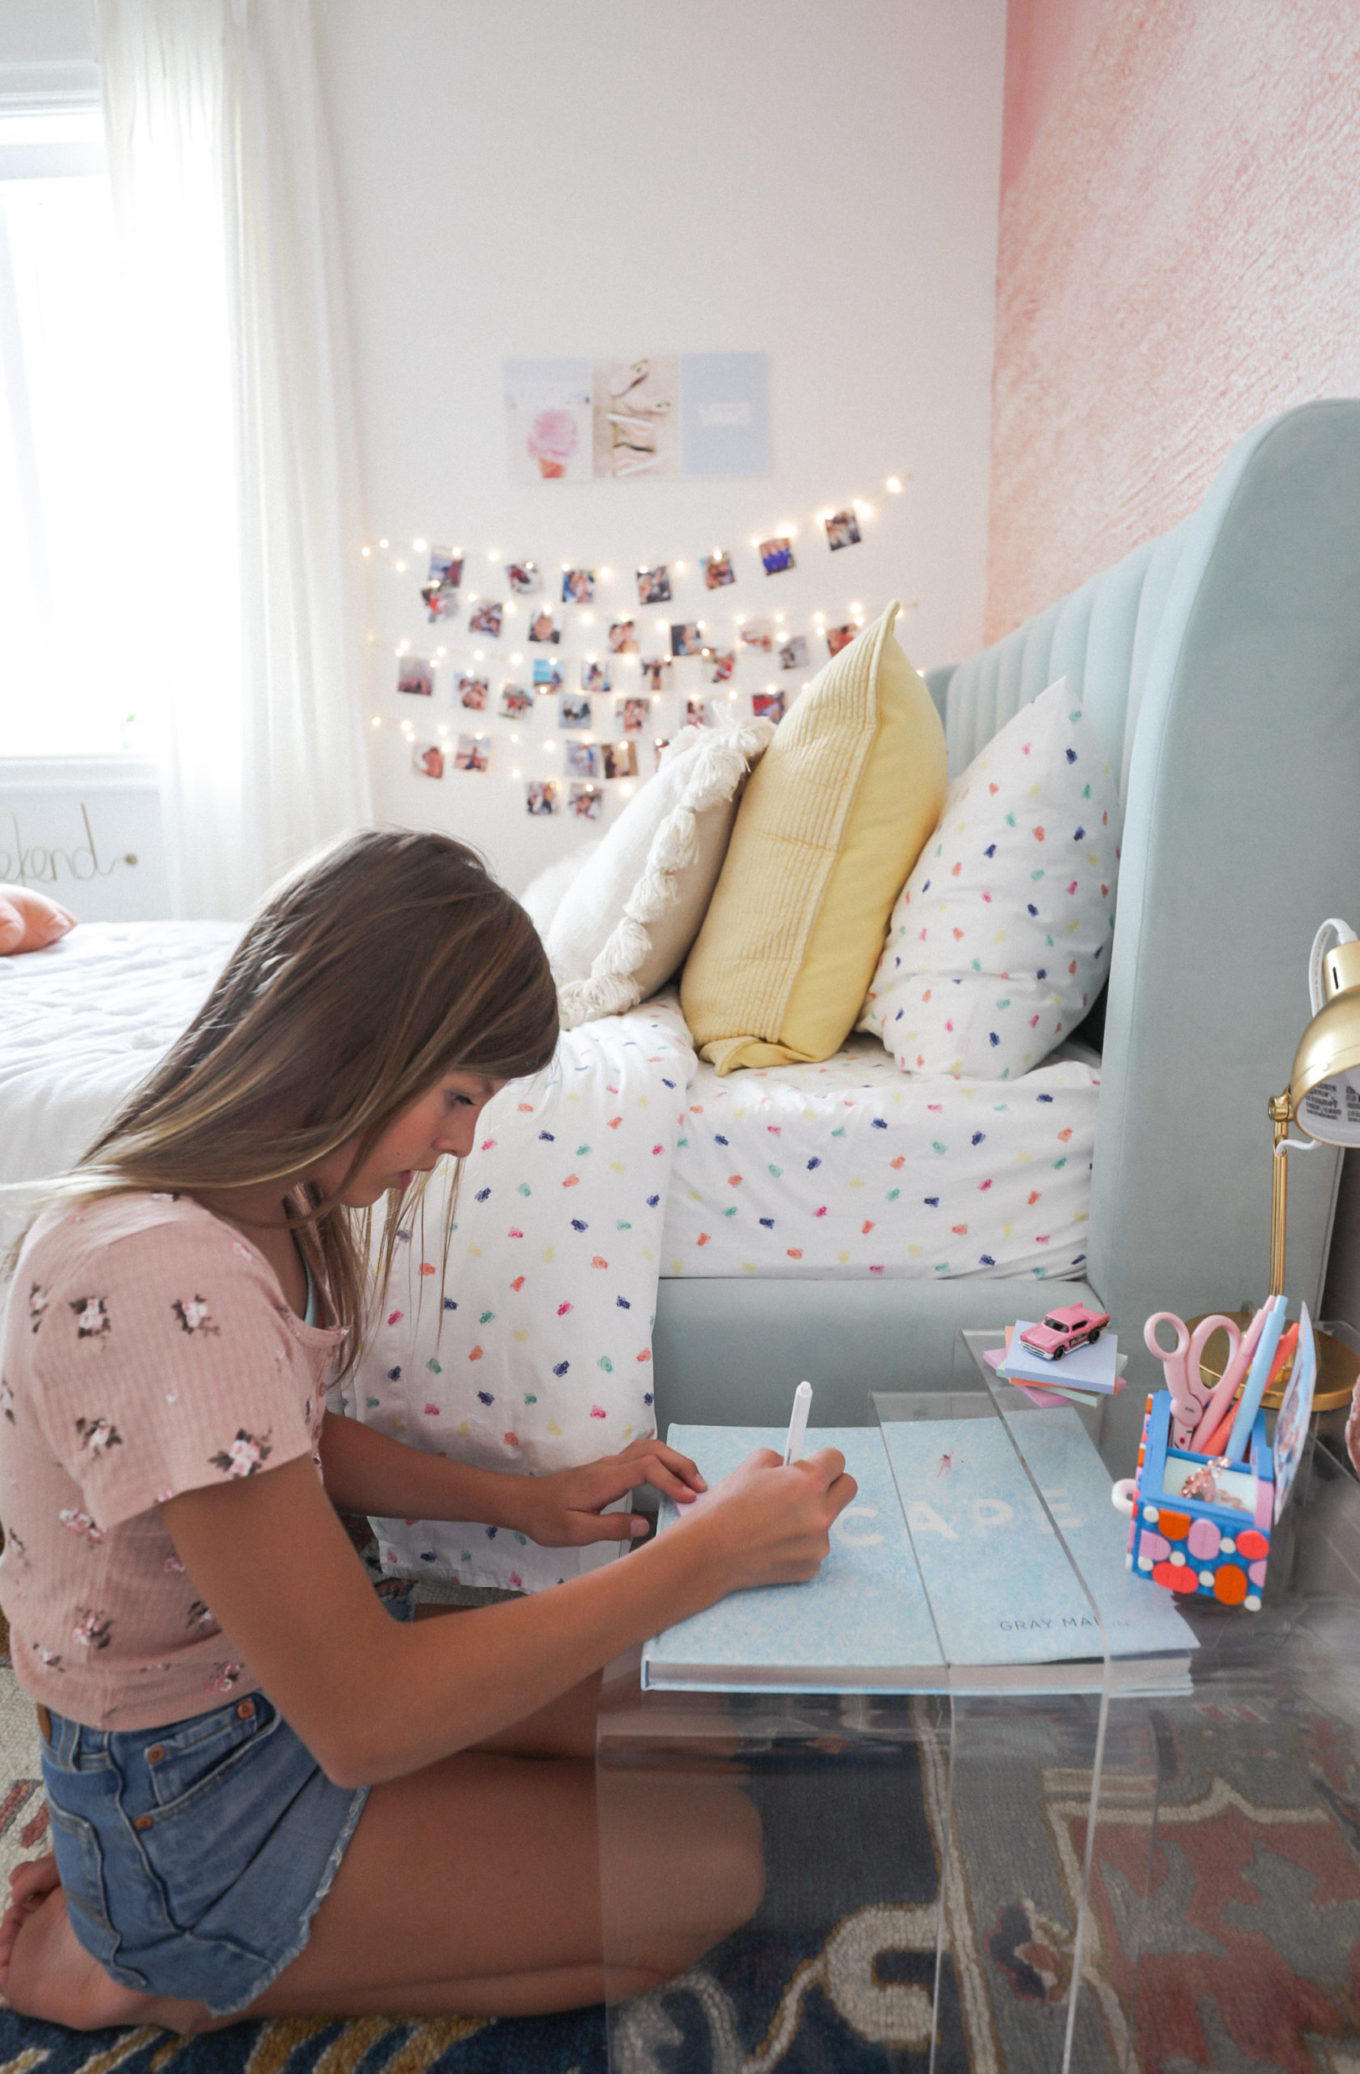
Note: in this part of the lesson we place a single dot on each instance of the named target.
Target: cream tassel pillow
(627, 920)
(833, 820)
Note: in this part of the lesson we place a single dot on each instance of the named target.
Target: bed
(1220, 666)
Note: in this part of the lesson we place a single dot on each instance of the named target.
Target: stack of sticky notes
(1082, 1377)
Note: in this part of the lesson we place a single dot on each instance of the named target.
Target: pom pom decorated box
(1199, 1527)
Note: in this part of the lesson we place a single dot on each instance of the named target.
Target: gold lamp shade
(1324, 1087)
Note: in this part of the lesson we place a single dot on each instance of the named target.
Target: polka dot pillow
(1000, 939)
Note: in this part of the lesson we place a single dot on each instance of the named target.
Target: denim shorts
(193, 1857)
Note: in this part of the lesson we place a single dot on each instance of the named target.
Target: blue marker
(1254, 1389)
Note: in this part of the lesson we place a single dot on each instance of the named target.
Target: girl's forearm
(454, 1683)
(366, 1471)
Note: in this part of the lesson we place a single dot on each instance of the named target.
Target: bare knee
(714, 1880)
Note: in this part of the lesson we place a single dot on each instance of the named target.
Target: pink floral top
(148, 1350)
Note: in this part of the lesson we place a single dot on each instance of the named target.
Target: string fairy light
(750, 630)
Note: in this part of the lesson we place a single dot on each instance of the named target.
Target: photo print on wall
(415, 675)
(595, 678)
(578, 586)
(472, 754)
(776, 555)
(515, 702)
(487, 618)
(718, 570)
(523, 578)
(637, 416)
(440, 588)
(842, 529)
(540, 796)
(573, 710)
(547, 674)
(840, 637)
(686, 638)
(427, 758)
(548, 420)
(623, 637)
(586, 802)
(472, 693)
(583, 758)
(653, 583)
(632, 715)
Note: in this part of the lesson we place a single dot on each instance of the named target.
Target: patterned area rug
(1228, 1943)
(834, 1972)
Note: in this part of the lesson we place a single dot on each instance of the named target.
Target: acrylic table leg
(769, 1880)
(1032, 1780)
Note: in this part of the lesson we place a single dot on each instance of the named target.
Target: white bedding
(80, 1025)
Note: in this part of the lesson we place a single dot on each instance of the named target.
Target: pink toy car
(1061, 1331)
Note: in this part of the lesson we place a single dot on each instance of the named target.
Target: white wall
(36, 32)
(816, 181)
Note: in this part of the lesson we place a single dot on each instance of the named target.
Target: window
(67, 680)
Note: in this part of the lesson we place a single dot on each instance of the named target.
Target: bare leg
(469, 1888)
(506, 1921)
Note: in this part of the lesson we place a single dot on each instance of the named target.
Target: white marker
(798, 1418)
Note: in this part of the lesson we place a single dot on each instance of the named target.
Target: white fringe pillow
(627, 921)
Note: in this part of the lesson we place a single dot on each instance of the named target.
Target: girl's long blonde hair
(384, 963)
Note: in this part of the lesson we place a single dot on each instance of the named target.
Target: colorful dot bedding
(1000, 939)
(532, 1347)
(847, 1168)
(629, 1161)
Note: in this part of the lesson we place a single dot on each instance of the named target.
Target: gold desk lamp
(1323, 1099)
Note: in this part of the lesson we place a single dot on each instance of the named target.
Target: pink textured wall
(1179, 257)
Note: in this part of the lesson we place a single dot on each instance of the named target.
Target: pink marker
(1225, 1389)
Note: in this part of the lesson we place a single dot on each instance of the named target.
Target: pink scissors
(1189, 1391)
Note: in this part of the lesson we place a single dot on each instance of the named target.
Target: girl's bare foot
(28, 1883)
(45, 1972)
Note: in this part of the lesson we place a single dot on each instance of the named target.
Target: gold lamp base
(1338, 1365)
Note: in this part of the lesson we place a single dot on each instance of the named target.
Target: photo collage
(572, 680)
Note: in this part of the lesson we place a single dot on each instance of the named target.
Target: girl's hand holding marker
(772, 1517)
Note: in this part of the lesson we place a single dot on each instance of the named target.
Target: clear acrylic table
(1012, 1880)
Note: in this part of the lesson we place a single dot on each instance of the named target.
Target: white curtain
(246, 504)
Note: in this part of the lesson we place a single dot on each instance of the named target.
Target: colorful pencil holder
(1199, 1528)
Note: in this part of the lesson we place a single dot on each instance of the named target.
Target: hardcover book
(978, 1595)
(1001, 1583)
(1085, 1368)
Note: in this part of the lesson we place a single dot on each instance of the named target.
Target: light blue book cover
(1001, 1586)
(862, 1621)
(1085, 1368)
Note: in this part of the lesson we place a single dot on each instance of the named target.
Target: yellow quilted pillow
(832, 821)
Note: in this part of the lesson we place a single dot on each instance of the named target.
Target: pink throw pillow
(30, 921)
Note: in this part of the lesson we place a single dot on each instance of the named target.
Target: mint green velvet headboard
(1221, 665)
